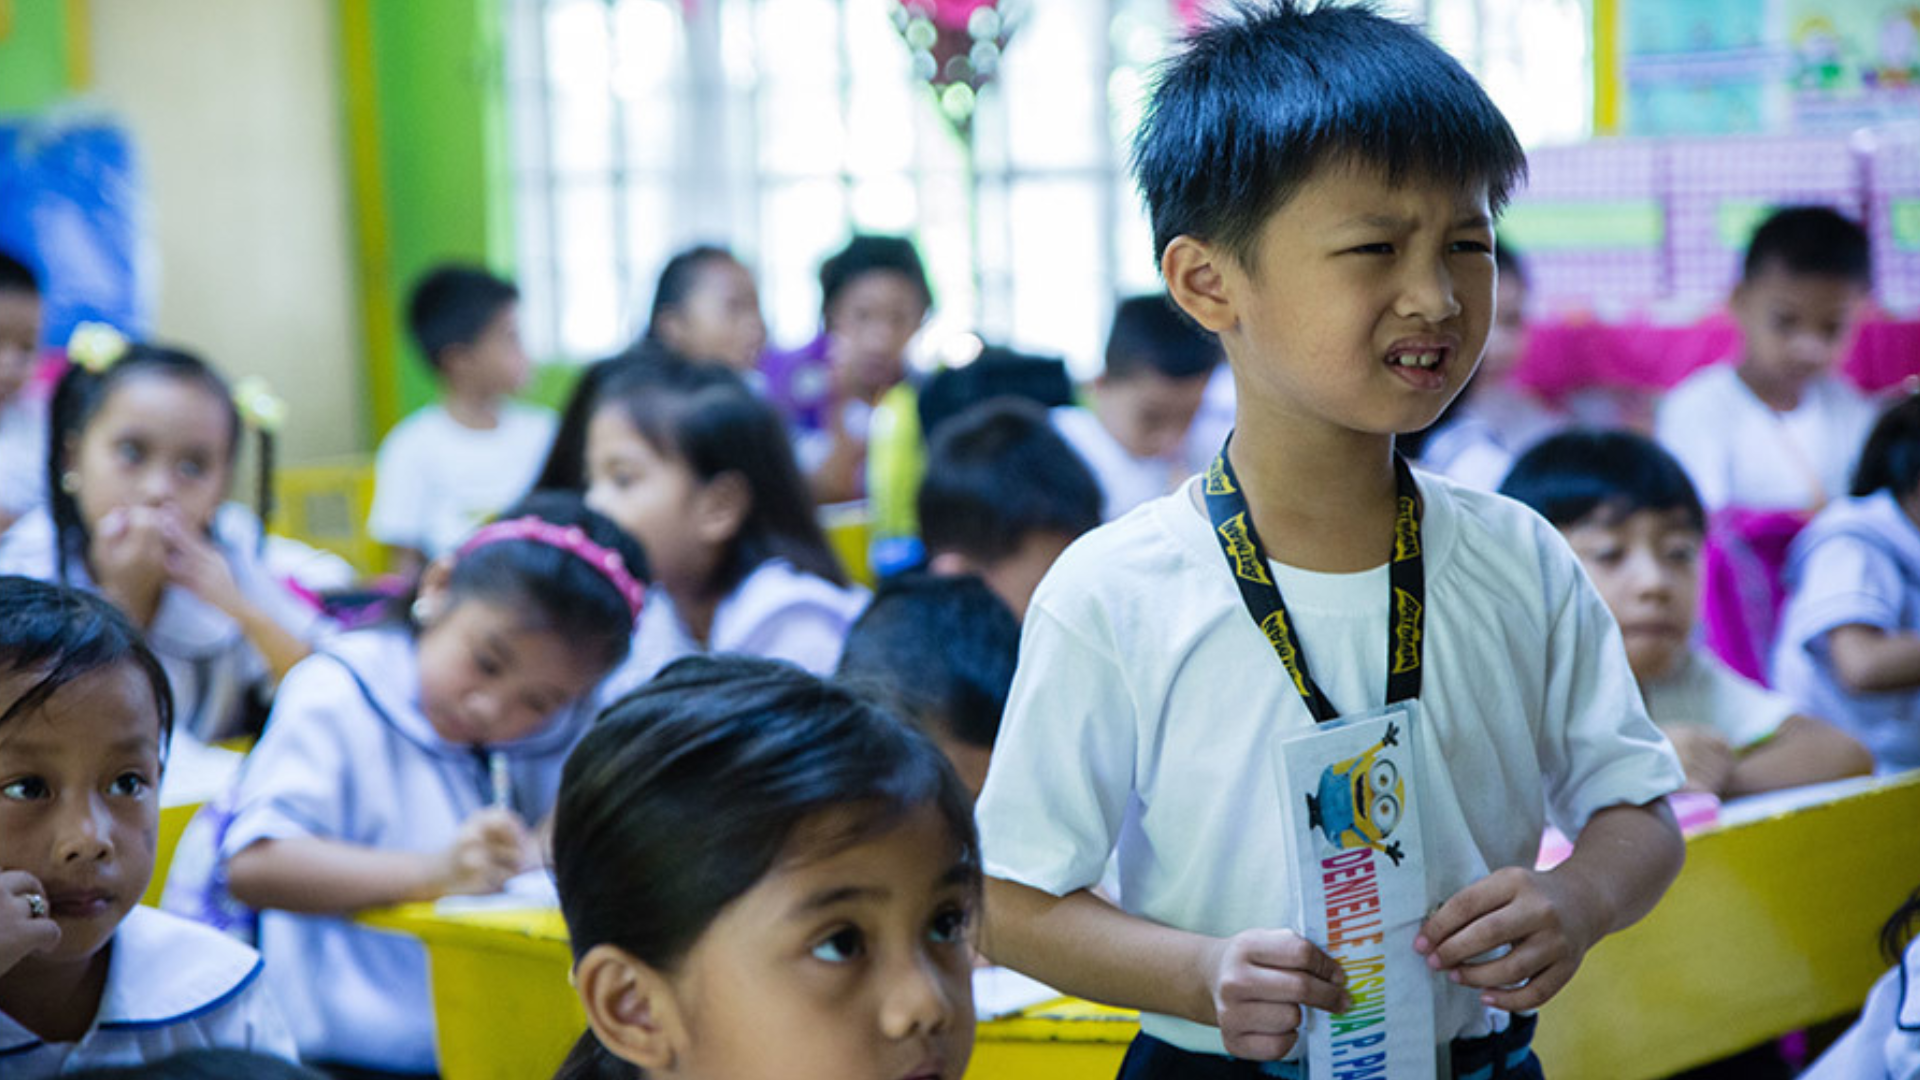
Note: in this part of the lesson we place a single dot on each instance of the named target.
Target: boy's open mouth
(1423, 364)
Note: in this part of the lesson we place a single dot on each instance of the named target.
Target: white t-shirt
(777, 611)
(172, 985)
(1857, 563)
(1707, 691)
(1125, 481)
(1147, 705)
(436, 479)
(348, 756)
(1740, 452)
(211, 666)
(23, 454)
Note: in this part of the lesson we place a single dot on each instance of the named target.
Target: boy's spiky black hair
(1268, 92)
(1569, 477)
(452, 305)
(1816, 241)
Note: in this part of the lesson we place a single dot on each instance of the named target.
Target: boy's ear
(952, 564)
(724, 504)
(631, 1007)
(1193, 270)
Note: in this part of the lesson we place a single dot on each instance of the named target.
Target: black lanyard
(1247, 558)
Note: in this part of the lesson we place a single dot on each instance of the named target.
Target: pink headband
(568, 538)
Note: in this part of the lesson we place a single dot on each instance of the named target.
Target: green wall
(35, 56)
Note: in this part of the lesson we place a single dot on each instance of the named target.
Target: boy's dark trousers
(1507, 1055)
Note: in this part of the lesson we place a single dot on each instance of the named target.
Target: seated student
(1849, 642)
(1495, 418)
(206, 1065)
(142, 440)
(453, 465)
(87, 976)
(1776, 429)
(1002, 497)
(23, 414)
(874, 297)
(764, 875)
(1134, 437)
(706, 307)
(941, 650)
(412, 761)
(696, 467)
(1884, 1042)
(1628, 510)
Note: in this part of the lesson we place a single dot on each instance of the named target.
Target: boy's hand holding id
(1259, 980)
(1533, 926)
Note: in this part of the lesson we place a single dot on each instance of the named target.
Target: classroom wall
(239, 136)
(37, 58)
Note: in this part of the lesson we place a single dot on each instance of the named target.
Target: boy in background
(1776, 429)
(1002, 497)
(1629, 512)
(23, 415)
(453, 465)
(1322, 185)
(1134, 436)
(941, 650)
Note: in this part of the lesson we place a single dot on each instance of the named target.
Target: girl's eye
(129, 783)
(27, 787)
(487, 665)
(129, 451)
(841, 947)
(1607, 556)
(949, 926)
(193, 468)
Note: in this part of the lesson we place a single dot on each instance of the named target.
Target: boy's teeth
(1419, 360)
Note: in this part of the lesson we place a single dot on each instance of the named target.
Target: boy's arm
(1251, 986)
(1869, 660)
(1621, 865)
(1803, 750)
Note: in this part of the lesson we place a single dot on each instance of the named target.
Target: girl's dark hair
(78, 397)
(677, 280)
(1568, 476)
(566, 465)
(690, 790)
(704, 415)
(552, 588)
(65, 633)
(1890, 459)
(1900, 929)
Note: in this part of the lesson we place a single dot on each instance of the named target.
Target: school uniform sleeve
(295, 780)
(1596, 746)
(27, 548)
(1845, 580)
(1063, 765)
(400, 497)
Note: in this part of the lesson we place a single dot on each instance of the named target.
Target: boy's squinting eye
(26, 787)
(1477, 247)
(839, 947)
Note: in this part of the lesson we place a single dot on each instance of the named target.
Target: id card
(1352, 788)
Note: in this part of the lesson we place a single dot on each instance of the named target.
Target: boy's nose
(85, 834)
(918, 1000)
(1428, 293)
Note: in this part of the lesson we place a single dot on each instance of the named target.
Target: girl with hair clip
(141, 447)
(764, 874)
(87, 976)
(412, 760)
(1849, 645)
(696, 467)
(1885, 1041)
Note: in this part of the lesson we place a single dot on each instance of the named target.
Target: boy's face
(1507, 339)
(79, 800)
(1647, 568)
(19, 340)
(1365, 309)
(1148, 413)
(869, 325)
(1795, 325)
(494, 364)
(1014, 576)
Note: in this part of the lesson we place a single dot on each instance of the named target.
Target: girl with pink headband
(419, 759)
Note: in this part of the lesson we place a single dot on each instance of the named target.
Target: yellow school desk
(1772, 926)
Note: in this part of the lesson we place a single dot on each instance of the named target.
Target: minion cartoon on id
(1361, 799)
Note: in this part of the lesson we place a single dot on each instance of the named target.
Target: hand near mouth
(23, 932)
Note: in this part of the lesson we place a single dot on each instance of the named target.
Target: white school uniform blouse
(210, 665)
(1884, 1043)
(172, 985)
(23, 454)
(348, 756)
(1146, 708)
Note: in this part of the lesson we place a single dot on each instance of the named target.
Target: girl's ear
(431, 602)
(631, 1008)
(1195, 272)
(722, 509)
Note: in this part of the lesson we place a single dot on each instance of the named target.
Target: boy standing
(1135, 435)
(1322, 185)
(451, 466)
(1778, 430)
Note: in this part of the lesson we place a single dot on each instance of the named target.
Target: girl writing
(1849, 646)
(696, 467)
(406, 762)
(86, 977)
(141, 448)
(764, 875)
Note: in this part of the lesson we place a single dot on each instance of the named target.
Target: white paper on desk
(999, 991)
(1351, 788)
(533, 889)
